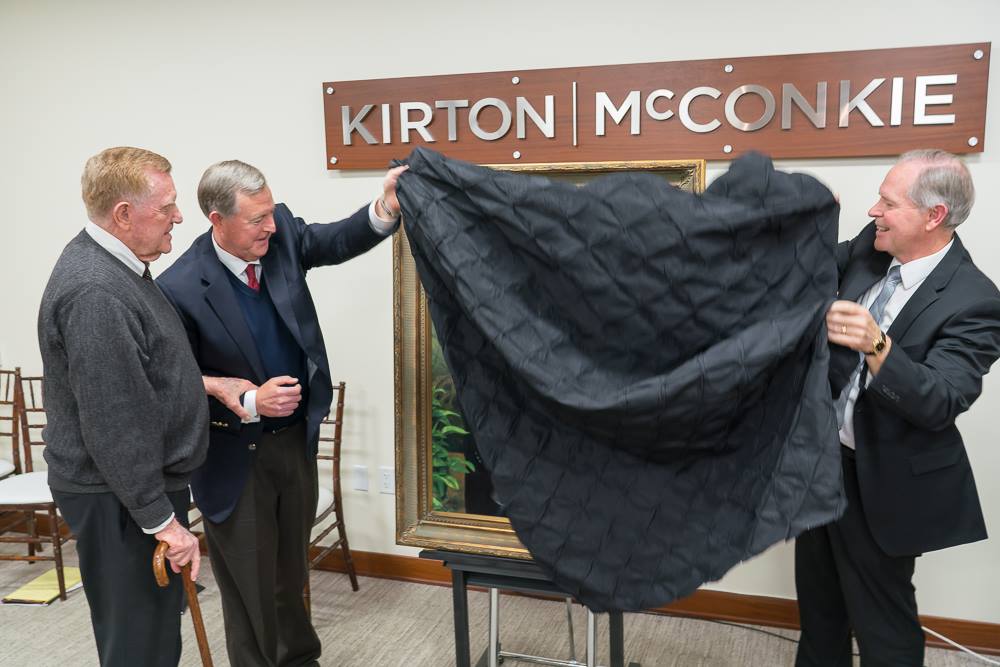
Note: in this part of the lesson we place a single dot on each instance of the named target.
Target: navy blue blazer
(203, 295)
(914, 475)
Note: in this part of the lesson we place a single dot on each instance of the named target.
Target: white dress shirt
(912, 275)
(114, 245)
(124, 254)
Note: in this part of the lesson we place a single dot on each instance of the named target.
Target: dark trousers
(135, 621)
(846, 584)
(259, 557)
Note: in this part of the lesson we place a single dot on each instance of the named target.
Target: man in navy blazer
(915, 330)
(241, 292)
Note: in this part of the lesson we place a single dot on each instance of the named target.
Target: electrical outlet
(386, 484)
(360, 478)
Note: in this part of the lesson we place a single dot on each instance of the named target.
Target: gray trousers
(135, 621)
(259, 556)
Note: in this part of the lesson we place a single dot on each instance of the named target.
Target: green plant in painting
(445, 424)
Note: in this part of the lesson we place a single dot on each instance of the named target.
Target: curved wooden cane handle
(160, 565)
(163, 579)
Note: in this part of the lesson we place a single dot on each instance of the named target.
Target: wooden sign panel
(840, 104)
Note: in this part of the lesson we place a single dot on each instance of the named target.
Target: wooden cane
(160, 571)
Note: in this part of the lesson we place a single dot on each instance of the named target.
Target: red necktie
(252, 278)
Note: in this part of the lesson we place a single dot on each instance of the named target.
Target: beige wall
(201, 83)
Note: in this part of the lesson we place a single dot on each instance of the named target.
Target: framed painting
(443, 492)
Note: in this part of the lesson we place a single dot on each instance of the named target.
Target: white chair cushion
(324, 501)
(29, 488)
(6, 467)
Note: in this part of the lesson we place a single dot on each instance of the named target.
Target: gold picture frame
(417, 523)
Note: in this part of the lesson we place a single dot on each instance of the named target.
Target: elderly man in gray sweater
(126, 407)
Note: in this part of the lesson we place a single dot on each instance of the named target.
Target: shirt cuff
(250, 405)
(378, 225)
(153, 531)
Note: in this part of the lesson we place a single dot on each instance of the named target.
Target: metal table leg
(460, 604)
(616, 638)
(591, 639)
(569, 622)
(494, 628)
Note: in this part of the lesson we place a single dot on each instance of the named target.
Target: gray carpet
(390, 624)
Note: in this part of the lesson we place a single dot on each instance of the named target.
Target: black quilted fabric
(644, 370)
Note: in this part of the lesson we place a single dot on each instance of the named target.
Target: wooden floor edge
(704, 604)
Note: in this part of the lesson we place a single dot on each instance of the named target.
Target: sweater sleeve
(118, 408)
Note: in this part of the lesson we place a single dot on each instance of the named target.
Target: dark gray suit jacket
(916, 483)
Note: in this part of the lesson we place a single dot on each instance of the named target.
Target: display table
(508, 574)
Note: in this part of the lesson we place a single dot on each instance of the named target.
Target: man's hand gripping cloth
(644, 370)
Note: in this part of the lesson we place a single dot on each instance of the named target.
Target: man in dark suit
(916, 330)
(242, 295)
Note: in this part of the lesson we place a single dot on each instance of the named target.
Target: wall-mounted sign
(839, 104)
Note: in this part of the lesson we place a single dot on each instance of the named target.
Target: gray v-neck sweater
(125, 405)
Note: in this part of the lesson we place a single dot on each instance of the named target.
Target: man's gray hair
(944, 180)
(222, 181)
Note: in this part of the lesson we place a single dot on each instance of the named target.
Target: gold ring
(843, 329)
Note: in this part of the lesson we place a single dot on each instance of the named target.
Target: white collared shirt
(912, 275)
(236, 266)
(114, 245)
(380, 226)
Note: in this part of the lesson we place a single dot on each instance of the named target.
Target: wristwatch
(878, 344)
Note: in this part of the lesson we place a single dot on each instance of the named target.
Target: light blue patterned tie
(877, 310)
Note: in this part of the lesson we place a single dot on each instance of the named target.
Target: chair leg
(57, 552)
(307, 594)
(33, 533)
(40, 547)
(348, 561)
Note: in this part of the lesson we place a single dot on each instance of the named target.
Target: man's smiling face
(901, 227)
